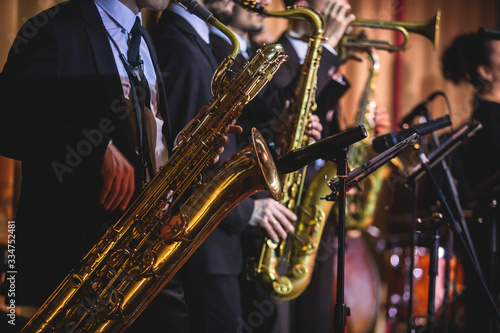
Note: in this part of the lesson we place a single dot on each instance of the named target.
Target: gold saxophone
(361, 205)
(139, 254)
(299, 249)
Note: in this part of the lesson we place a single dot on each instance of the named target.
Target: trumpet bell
(428, 29)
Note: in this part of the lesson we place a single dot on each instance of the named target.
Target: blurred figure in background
(475, 59)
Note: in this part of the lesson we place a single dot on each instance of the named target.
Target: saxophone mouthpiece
(251, 6)
(195, 8)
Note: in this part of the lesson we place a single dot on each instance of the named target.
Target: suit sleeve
(30, 88)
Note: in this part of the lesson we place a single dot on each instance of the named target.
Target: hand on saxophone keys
(273, 217)
(283, 124)
(314, 129)
(230, 129)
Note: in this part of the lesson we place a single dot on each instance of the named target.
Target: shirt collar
(198, 24)
(243, 41)
(299, 46)
(119, 13)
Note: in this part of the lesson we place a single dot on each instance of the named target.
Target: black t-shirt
(482, 152)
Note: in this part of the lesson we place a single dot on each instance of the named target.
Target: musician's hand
(118, 176)
(231, 129)
(337, 19)
(272, 216)
(382, 121)
(314, 128)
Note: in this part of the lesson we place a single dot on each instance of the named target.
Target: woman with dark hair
(475, 59)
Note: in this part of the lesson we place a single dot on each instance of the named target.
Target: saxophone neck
(219, 78)
(220, 74)
(367, 103)
(290, 13)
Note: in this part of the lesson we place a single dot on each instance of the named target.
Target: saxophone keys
(174, 228)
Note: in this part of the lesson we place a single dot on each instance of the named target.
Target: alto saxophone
(299, 250)
(139, 254)
(361, 205)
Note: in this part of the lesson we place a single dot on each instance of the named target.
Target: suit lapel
(184, 25)
(106, 66)
(103, 55)
(293, 61)
(221, 48)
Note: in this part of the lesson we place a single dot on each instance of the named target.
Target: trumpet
(428, 29)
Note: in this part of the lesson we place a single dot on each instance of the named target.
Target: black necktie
(135, 42)
(140, 91)
(136, 64)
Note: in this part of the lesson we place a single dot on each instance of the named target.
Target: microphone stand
(447, 282)
(450, 181)
(455, 140)
(412, 258)
(492, 214)
(455, 227)
(341, 311)
(453, 188)
(339, 187)
(494, 253)
(433, 270)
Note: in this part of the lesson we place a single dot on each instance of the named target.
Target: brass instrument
(139, 254)
(299, 250)
(362, 205)
(428, 29)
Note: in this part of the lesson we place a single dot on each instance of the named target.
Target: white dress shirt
(118, 20)
(244, 43)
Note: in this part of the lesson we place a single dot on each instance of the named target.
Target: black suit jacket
(62, 103)
(187, 64)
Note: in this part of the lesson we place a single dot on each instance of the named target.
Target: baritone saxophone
(298, 251)
(139, 254)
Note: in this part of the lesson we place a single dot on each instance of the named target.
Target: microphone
(196, 9)
(324, 149)
(381, 143)
(489, 34)
(420, 108)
